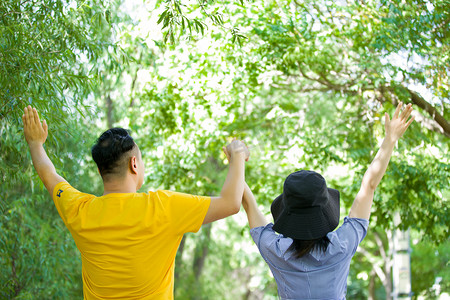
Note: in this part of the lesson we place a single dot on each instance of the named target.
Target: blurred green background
(304, 83)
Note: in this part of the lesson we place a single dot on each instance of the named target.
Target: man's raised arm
(394, 130)
(230, 199)
(35, 135)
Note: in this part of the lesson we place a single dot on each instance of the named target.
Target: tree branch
(376, 268)
(431, 110)
(444, 125)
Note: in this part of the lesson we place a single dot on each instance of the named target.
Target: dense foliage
(305, 83)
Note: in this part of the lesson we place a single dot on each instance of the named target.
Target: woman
(308, 259)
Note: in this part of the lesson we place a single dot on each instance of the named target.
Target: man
(128, 240)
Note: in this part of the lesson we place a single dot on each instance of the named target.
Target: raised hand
(394, 130)
(35, 132)
(397, 126)
(35, 135)
(234, 148)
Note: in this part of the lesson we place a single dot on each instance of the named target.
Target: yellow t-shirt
(128, 241)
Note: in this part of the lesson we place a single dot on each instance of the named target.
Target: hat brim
(277, 207)
(309, 224)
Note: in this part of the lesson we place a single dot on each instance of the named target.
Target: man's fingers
(24, 117)
(226, 152)
(247, 152)
(237, 146)
(28, 115)
(45, 126)
(36, 117)
(24, 120)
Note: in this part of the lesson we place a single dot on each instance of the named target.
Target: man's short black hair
(109, 150)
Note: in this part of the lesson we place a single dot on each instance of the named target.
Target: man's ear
(133, 165)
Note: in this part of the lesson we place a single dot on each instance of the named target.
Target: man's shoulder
(175, 194)
(64, 189)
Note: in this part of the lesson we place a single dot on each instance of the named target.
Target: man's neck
(125, 185)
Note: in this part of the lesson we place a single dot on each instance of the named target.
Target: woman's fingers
(406, 112)
(397, 110)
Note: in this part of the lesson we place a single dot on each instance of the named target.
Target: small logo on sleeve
(59, 193)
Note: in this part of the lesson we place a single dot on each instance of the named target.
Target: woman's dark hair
(303, 247)
(110, 149)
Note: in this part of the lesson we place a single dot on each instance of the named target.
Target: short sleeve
(352, 232)
(257, 232)
(185, 212)
(68, 200)
(271, 245)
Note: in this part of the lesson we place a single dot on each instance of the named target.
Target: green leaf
(162, 16)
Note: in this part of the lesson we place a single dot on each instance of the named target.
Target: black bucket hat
(307, 209)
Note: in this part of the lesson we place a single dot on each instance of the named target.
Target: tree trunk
(387, 282)
(386, 274)
(134, 80)
(109, 111)
(372, 275)
(179, 257)
(401, 269)
(201, 251)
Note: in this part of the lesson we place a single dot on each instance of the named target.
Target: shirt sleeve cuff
(257, 231)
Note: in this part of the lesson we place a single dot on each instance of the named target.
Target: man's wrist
(238, 155)
(35, 144)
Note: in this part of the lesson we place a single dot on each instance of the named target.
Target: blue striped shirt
(317, 275)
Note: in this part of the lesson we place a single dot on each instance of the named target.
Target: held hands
(236, 147)
(397, 126)
(34, 131)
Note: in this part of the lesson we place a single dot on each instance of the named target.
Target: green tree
(307, 88)
(48, 58)
(430, 264)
